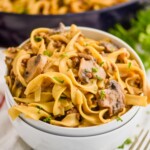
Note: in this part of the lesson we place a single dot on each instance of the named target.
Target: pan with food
(18, 19)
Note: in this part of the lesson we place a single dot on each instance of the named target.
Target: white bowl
(41, 140)
(87, 131)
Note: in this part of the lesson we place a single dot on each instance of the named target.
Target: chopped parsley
(98, 78)
(102, 63)
(129, 65)
(148, 112)
(64, 55)
(86, 71)
(39, 109)
(102, 94)
(119, 119)
(126, 142)
(47, 53)
(59, 80)
(47, 119)
(94, 69)
(37, 38)
(86, 44)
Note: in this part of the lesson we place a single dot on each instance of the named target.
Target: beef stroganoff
(66, 79)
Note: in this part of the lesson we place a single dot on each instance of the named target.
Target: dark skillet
(15, 28)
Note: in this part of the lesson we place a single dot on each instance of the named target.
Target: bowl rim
(73, 131)
(118, 6)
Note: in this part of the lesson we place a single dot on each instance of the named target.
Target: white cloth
(9, 139)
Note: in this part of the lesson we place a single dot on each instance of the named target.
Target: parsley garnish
(99, 78)
(86, 44)
(147, 112)
(64, 55)
(119, 119)
(102, 63)
(39, 109)
(86, 71)
(94, 69)
(37, 38)
(102, 94)
(47, 53)
(126, 142)
(47, 119)
(59, 80)
(129, 65)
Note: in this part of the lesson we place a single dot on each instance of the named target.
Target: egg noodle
(46, 7)
(64, 78)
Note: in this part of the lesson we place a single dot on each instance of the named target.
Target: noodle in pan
(54, 7)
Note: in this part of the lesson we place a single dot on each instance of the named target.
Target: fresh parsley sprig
(128, 141)
(138, 35)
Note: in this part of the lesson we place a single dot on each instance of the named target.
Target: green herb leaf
(48, 119)
(86, 44)
(59, 80)
(37, 38)
(39, 108)
(94, 69)
(119, 119)
(47, 53)
(102, 94)
(121, 146)
(102, 63)
(126, 142)
(86, 71)
(99, 78)
(148, 112)
(129, 65)
(148, 29)
(64, 55)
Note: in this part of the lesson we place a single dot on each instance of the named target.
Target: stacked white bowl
(43, 136)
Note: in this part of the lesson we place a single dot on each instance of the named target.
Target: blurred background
(19, 17)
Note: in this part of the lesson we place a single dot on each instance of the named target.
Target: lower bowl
(40, 140)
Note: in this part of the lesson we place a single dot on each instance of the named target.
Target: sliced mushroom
(90, 69)
(35, 66)
(60, 29)
(73, 110)
(86, 56)
(109, 47)
(112, 98)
